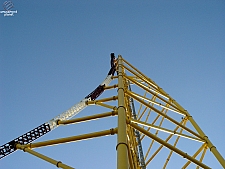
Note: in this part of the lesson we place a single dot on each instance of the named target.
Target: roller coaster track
(44, 128)
(146, 138)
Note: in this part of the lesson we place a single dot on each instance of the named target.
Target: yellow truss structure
(161, 127)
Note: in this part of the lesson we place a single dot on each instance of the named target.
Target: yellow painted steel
(156, 103)
(141, 78)
(114, 77)
(157, 110)
(139, 110)
(154, 94)
(171, 152)
(72, 139)
(199, 130)
(156, 91)
(59, 164)
(169, 118)
(167, 139)
(99, 102)
(122, 147)
(139, 72)
(185, 155)
(158, 128)
(195, 155)
(155, 120)
(150, 147)
(103, 100)
(146, 108)
(132, 148)
(111, 87)
(88, 118)
(203, 154)
(106, 105)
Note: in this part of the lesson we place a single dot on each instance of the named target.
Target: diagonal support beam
(158, 104)
(156, 94)
(59, 164)
(166, 130)
(166, 140)
(164, 115)
(212, 148)
(183, 154)
(139, 72)
(194, 156)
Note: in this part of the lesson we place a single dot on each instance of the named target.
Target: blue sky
(54, 53)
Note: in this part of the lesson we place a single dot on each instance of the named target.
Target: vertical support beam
(122, 147)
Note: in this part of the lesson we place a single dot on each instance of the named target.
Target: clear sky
(53, 53)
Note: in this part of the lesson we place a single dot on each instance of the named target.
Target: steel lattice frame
(160, 118)
(153, 133)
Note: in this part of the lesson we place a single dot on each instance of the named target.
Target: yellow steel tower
(151, 126)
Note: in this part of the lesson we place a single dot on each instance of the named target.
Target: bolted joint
(90, 102)
(185, 156)
(113, 131)
(58, 163)
(115, 86)
(212, 148)
(206, 138)
(115, 97)
(114, 112)
(19, 146)
(57, 122)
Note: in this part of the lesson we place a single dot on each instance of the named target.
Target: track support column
(122, 148)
